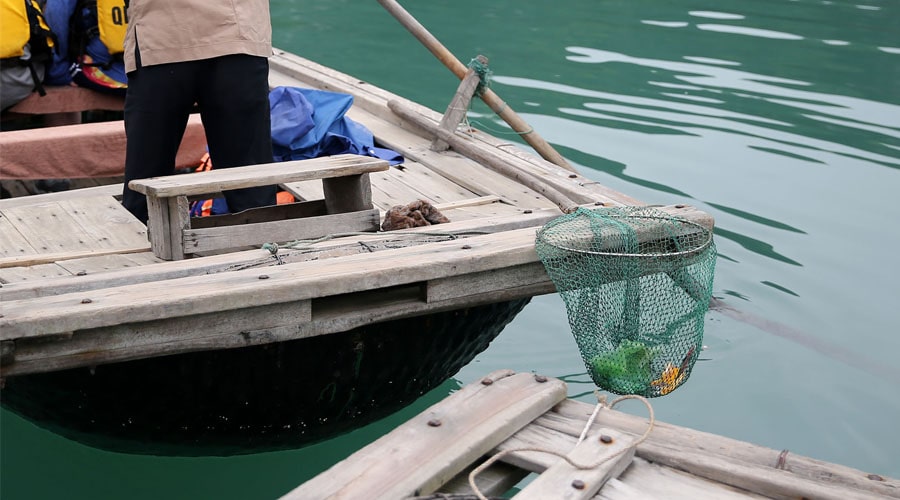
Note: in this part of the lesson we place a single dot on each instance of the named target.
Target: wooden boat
(200, 341)
(525, 424)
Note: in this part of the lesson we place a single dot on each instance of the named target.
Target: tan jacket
(169, 31)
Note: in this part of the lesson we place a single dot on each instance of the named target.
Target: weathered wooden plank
(683, 448)
(764, 480)
(13, 243)
(101, 264)
(489, 281)
(644, 480)
(457, 168)
(565, 481)
(99, 147)
(417, 177)
(496, 480)
(48, 228)
(221, 292)
(353, 273)
(331, 315)
(47, 258)
(235, 329)
(36, 272)
(74, 228)
(217, 238)
(458, 105)
(224, 179)
(158, 228)
(261, 258)
(441, 441)
(105, 223)
(350, 193)
(468, 202)
(111, 190)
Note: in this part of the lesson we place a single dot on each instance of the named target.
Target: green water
(781, 118)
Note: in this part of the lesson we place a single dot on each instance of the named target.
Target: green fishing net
(636, 282)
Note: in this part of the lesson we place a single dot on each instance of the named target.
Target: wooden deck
(515, 414)
(77, 268)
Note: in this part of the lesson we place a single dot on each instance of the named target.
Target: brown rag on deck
(417, 213)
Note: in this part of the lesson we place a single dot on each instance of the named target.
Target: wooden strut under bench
(347, 205)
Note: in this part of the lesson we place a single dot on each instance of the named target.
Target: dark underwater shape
(261, 398)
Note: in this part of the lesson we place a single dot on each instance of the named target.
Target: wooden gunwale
(342, 292)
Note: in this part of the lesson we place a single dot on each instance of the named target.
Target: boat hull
(260, 398)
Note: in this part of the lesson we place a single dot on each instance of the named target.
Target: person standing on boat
(208, 53)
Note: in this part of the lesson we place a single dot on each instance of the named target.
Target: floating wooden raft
(435, 451)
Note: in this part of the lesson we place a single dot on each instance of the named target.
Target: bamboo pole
(490, 98)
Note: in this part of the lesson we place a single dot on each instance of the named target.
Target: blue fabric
(309, 123)
(58, 14)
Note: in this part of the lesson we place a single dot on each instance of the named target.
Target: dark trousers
(232, 94)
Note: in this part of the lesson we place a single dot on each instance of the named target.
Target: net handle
(699, 249)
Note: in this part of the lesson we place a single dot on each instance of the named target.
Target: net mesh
(636, 282)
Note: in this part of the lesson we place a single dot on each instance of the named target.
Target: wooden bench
(347, 205)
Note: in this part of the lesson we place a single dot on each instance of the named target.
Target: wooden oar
(519, 125)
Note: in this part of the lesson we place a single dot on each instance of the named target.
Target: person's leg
(157, 105)
(234, 105)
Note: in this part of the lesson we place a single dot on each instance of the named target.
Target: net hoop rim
(700, 248)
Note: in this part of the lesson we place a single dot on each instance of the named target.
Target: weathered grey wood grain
(437, 444)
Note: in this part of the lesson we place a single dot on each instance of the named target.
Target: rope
(600, 404)
(484, 75)
(273, 248)
(484, 82)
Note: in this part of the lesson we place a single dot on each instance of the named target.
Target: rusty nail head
(486, 381)
(434, 423)
(578, 484)
(875, 477)
(466, 247)
(263, 276)
(540, 378)
(81, 273)
(527, 211)
(606, 438)
(679, 206)
(572, 176)
(599, 203)
(86, 301)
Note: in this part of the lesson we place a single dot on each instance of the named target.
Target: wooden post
(458, 106)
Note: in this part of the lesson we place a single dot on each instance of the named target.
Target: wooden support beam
(563, 480)
(458, 106)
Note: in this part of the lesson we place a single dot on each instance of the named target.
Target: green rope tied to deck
(484, 75)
